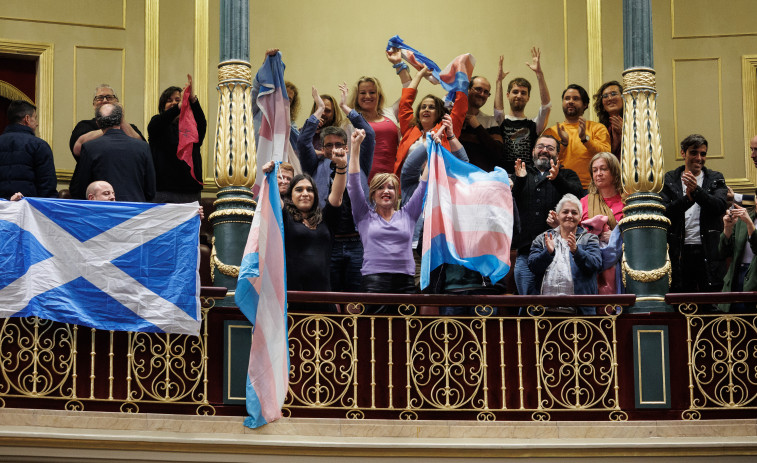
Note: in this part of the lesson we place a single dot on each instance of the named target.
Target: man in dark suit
(122, 161)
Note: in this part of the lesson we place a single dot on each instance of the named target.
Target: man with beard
(117, 158)
(518, 132)
(87, 129)
(580, 139)
(536, 190)
(695, 198)
(480, 135)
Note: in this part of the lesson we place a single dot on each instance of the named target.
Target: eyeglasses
(481, 90)
(609, 95)
(549, 148)
(334, 145)
(105, 98)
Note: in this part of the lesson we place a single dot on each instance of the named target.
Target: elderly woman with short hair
(567, 256)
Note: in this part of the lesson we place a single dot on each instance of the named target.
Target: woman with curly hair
(608, 104)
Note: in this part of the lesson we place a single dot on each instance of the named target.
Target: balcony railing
(517, 365)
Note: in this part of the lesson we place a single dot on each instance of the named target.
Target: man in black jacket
(26, 161)
(536, 190)
(122, 161)
(88, 130)
(695, 198)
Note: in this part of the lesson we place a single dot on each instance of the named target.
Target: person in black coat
(116, 158)
(695, 198)
(26, 161)
(175, 183)
(537, 190)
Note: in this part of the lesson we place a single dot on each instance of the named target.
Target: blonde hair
(379, 92)
(378, 181)
(613, 164)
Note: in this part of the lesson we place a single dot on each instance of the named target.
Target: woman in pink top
(605, 199)
(368, 99)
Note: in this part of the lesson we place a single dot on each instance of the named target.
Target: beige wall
(143, 46)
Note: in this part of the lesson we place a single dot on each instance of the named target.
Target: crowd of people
(353, 215)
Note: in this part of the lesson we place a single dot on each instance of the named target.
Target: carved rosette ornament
(235, 140)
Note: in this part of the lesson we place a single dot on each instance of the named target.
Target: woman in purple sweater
(385, 230)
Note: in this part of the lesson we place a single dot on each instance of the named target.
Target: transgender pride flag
(453, 78)
(261, 296)
(468, 217)
(273, 103)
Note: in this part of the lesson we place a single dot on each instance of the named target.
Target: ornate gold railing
(721, 354)
(410, 366)
(42, 359)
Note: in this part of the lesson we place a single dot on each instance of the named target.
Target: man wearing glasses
(87, 130)
(536, 190)
(481, 136)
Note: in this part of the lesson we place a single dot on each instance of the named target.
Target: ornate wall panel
(698, 102)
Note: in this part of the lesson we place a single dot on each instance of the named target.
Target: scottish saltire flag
(188, 135)
(453, 78)
(261, 296)
(468, 217)
(273, 120)
(106, 265)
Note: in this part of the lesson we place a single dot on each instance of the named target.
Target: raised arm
(339, 158)
(307, 154)
(499, 95)
(535, 65)
(395, 57)
(354, 166)
(425, 72)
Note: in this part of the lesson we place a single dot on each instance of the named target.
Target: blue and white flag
(107, 265)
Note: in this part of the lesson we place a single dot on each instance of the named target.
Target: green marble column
(645, 266)
(234, 150)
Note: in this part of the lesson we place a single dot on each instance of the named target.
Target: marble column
(234, 150)
(645, 265)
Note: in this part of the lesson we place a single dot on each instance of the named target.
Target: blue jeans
(346, 262)
(526, 282)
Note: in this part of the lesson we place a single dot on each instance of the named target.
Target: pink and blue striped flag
(274, 120)
(453, 78)
(261, 296)
(468, 217)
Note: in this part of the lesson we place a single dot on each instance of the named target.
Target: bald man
(100, 190)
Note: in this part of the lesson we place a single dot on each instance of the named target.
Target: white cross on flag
(106, 265)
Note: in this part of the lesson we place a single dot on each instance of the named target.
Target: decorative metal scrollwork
(447, 363)
(576, 363)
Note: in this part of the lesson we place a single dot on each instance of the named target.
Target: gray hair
(105, 86)
(569, 198)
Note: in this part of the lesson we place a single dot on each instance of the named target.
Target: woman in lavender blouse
(385, 230)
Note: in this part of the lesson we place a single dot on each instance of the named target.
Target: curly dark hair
(599, 108)
(313, 217)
